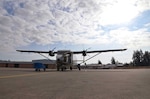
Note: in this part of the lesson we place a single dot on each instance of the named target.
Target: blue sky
(74, 25)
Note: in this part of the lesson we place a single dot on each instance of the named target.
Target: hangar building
(51, 64)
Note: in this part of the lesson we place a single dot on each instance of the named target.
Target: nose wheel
(63, 68)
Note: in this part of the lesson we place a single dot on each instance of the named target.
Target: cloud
(131, 39)
(143, 5)
(120, 12)
(23, 22)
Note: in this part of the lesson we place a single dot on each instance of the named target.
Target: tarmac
(17, 83)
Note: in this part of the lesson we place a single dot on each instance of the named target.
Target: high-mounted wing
(51, 53)
(84, 52)
(98, 51)
(29, 51)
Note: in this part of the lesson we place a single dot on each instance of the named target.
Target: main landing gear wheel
(70, 68)
(63, 68)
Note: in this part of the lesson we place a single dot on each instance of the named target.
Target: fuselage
(64, 59)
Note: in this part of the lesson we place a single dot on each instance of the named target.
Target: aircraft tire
(57, 68)
(70, 68)
(62, 69)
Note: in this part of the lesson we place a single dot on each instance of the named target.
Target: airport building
(51, 64)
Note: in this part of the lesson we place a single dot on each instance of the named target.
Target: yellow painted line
(21, 75)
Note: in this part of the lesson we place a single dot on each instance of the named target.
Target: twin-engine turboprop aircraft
(64, 58)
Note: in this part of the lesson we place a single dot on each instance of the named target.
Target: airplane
(64, 58)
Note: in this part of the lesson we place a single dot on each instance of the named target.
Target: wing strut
(90, 58)
(44, 56)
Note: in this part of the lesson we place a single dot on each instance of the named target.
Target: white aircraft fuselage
(64, 59)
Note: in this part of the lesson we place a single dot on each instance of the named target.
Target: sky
(74, 25)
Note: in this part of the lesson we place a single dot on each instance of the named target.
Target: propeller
(84, 52)
(51, 52)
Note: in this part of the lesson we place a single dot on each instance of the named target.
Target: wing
(98, 51)
(30, 51)
(74, 52)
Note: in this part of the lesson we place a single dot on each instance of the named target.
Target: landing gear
(70, 68)
(79, 66)
(63, 68)
(58, 68)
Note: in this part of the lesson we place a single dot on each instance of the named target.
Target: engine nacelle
(84, 53)
(51, 53)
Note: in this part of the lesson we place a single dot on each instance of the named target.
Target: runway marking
(21, 75)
